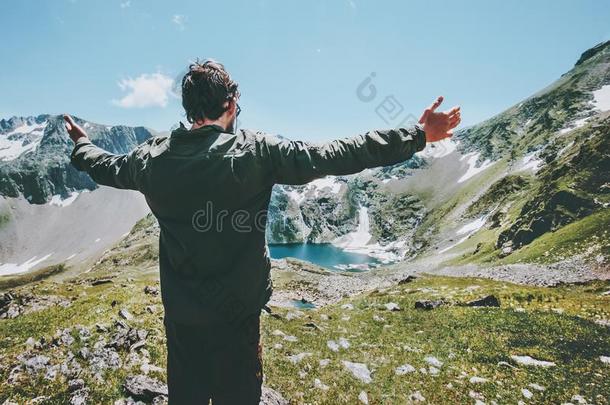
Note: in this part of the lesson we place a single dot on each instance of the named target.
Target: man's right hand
(74, 130)
(439, 125)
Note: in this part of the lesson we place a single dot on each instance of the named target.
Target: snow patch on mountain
(531, 162)
(314, 189)
(454, 245)
(467, 230)
(601, 102)
(574, 125)
(601, 98)
(472, 226)
(389, 253)
(16, 268)
(58, 201)
(438, 149)
(472, 159)
(24, 138)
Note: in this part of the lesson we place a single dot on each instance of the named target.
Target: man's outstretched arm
(105, 168)
(296, 162)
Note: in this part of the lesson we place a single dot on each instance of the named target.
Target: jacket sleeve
(105, 168)
(296, 162)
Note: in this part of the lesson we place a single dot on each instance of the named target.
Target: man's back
(210, 191)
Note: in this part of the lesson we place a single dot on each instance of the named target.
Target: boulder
(125, 314)
(488, 301)
(101, 281)
(428, 304)
(80, 397)
(144, 388)
(407, 280)
(150, 290)
(272, 397)
(76, 384)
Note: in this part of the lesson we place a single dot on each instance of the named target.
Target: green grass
(487, 252)
(91, 305)
(470, 342)
(589, 236)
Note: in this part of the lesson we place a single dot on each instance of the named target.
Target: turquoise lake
(325, 255)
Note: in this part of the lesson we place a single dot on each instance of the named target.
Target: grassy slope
(588, 237)
(469, 341)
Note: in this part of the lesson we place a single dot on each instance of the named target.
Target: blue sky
(299, 63)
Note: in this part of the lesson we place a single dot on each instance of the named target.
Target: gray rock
(125, 314)
(101, 328)
(76, 384)
(35, 364)
(144, 388)
(272, 397)
(126, 338)
(71, 368)
(104, 358)
(101, 281)
(13, 311)
(63, 337)
(160, 400)
(84, 333)
(407, 279)
(151, 290)
(79, 397)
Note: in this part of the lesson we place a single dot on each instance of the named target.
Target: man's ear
(232, 106)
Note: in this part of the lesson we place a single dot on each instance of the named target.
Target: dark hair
(205, 89)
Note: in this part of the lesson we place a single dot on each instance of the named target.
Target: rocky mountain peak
(35, 150)
(14, 122)
(589, 53)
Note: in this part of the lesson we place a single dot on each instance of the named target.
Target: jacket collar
(206, 129)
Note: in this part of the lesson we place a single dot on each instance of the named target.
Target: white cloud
(180, 21)
(125, 4)
(146, 90)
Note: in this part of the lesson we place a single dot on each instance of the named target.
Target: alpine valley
(492, 218)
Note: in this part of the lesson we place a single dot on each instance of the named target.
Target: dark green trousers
(218, 361)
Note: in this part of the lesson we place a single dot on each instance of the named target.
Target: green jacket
(210, 191)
